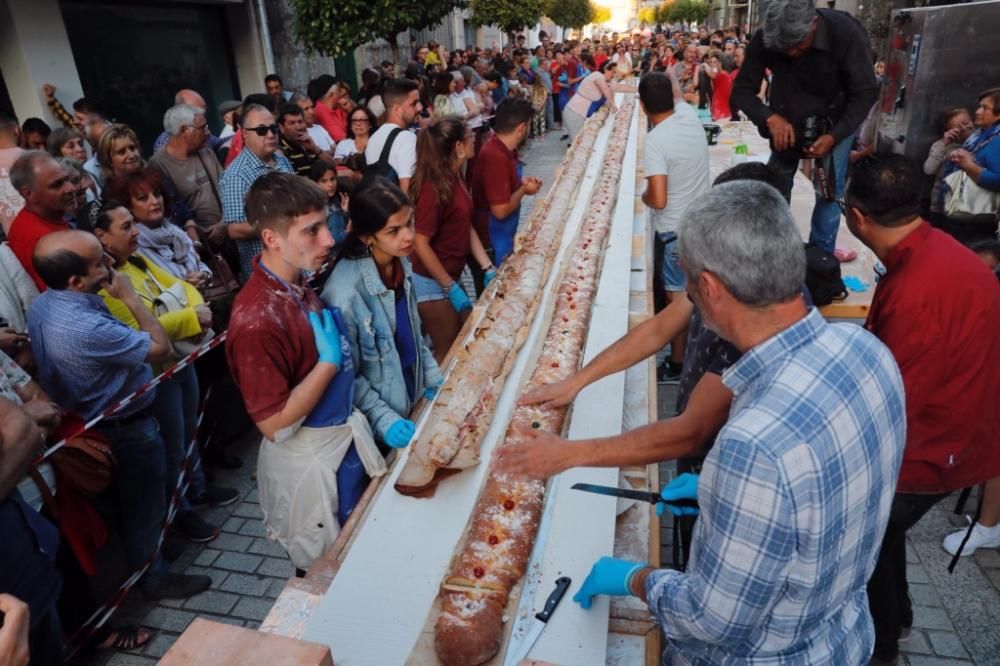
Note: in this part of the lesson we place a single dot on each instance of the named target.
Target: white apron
(297, 483)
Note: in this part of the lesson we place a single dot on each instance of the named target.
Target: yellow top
(147, 284)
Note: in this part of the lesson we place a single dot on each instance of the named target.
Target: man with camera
(822, 87)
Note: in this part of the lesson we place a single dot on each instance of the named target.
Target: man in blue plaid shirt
(258, 157)
(795, 495)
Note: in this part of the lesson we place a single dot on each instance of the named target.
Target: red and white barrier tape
(100, 616)
(142, 390)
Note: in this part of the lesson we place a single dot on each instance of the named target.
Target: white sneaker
(981, 537)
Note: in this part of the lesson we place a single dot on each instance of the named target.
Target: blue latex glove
(607, 576)
(327, 337)
(488, 277)
(400, 433)
(431, 391)
(459, 299)
(684, 486)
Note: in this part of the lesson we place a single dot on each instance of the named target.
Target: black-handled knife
(627, 493)
(518, 653)
(562, 584)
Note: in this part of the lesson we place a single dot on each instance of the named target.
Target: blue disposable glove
(327, 337)
(684, 486)
(607, 576)
(431, 391)
(488, 277)
(400, 433)
(459, 299)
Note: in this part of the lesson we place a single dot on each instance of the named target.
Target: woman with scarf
(160, 241)
(979, 158)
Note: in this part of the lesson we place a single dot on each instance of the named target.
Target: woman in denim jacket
(372, 286)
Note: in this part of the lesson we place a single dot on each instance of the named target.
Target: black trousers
(888, 591)
(45, 641)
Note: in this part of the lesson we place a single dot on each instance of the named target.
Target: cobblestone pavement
(248, 571)
(956, 617)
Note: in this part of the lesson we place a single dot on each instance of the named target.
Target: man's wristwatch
(486, 269)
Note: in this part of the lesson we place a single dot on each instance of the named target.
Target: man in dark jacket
(822, 87)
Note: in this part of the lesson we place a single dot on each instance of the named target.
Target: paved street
(957, 617)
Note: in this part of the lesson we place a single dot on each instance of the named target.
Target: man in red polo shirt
(47, 192)
(294, 369)
(938, 310)
(497, 186)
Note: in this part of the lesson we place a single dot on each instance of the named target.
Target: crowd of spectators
(292, 233)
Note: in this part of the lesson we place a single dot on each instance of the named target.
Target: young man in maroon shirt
(47, 192)
(497, 186)
(938, 310)
(294, 370)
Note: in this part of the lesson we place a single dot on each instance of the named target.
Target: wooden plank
(207, 643)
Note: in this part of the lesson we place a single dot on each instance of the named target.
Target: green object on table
(741, 149)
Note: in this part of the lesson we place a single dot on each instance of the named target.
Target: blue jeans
(673, 277)
(826, 215)
(176, 412)
(137, 488)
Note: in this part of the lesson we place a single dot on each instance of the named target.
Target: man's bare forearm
(689, 433)
(640, 343)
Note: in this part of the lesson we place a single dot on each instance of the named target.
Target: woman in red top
(445, 237)
(601, 56)
(722, 87)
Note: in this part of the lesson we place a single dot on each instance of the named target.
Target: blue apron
(333, 408)
(502, 231)
(406, 345)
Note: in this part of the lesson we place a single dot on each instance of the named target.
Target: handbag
(223, 283)
(85, 461)
(966, 199)
(173, 299)
(823, 276)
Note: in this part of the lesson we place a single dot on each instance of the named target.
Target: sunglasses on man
(262, 130)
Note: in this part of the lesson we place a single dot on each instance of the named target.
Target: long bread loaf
(497, 546)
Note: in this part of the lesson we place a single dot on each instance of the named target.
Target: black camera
(813, 127)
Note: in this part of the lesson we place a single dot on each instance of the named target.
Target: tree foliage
(569, 13)
(508, 15)
(646, 15)
(416, 15)
(334, 27)
(689, 11)
(601, 14)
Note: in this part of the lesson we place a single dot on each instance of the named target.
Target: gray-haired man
(795, 494)
(822, 77)
(192, 170)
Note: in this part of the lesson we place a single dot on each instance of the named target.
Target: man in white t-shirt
(677, 175)
(402, 104)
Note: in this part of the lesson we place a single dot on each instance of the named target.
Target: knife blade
(627, 493)
(516, 654)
